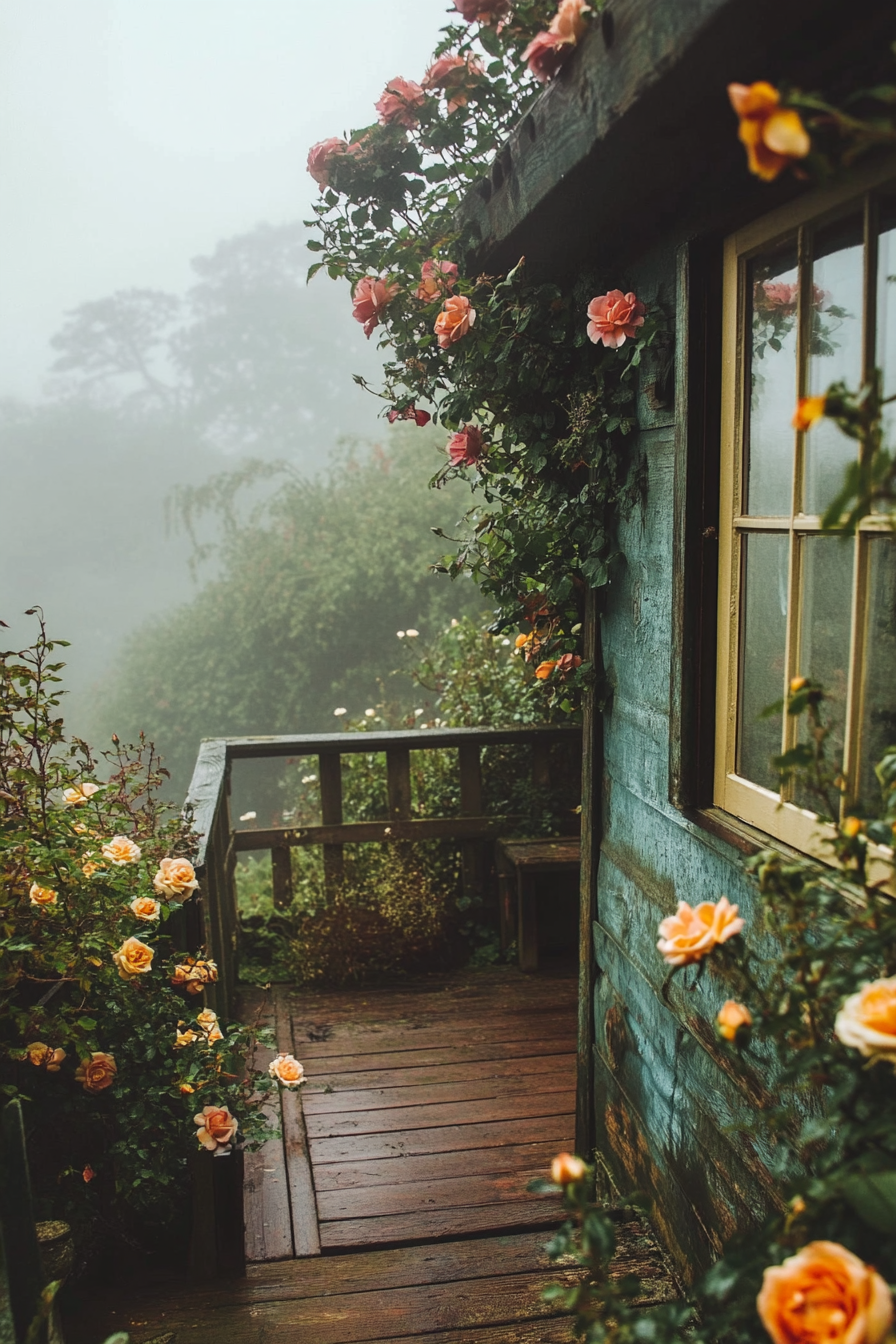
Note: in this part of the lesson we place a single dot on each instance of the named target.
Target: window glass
(879, 699)
(885, 353)
(826, 586)
(764, 632)
(772, 289)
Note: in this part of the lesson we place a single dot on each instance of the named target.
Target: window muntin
(810, 298)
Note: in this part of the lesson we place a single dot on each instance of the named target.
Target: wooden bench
(518, 864)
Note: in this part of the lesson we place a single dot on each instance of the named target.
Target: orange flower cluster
(194, 974)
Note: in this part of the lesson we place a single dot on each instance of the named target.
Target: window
(809, 299)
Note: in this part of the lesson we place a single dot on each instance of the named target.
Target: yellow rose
(867, 1021)
(45, 1057)
(824, 1295)
(42, 895)
(287, 1070)
(145, 908)
(133, 958)
(193, 974)
(79, 793)
(119, 850)
(96, 1073)
(184, 1038)
(208, 1021)
(175, 878)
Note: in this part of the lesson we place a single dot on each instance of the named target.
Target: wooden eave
(636, 137)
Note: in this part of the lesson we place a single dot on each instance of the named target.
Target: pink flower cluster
(548, 51)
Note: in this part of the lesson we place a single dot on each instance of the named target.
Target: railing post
(330, 772)
(472, 852)
(281, 873)
(398, 783)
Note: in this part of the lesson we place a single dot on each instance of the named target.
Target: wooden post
(330, 771)
(281, 874)
(473, 858)
(398, 782)
(541, 763)
(217, 1245)
(592, 830)
(527, 914)
(20, 1247)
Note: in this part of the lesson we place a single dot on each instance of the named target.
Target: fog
(153, 154)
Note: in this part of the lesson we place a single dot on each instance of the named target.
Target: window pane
(879, 709)
(885, 355)
(824, 633)
(772, 283)
(835, 352)
(763, 634)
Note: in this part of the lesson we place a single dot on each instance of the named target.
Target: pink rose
(774, 294)
(568, 662)
(482, 11)
(371, 296)
(465, 448)
(545, 54)
(452, 74)
(400, 98)
(569, 23)
(409, 413)
(321, 156)
(613, 317)
(437, 278)
(455, 320)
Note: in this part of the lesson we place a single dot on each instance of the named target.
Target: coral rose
(42, 895)
(96, 1073)
(216, 1129)
(689, 934)
(565, 1169)
(465, 448)
(731, 1017)
(569, 23)
(371, 296)
(79, 793)
(208, 1021)
(398, 103)
(773, 136)
(455, 320)
(175, 879)
(287, 1070)
(145, 908)
(437, 278)
(545, 55)
(133, 958)
(613, 317)
(483, 11)
(321, 156)
(45, 1057)
(120, 850)
(808, 410)
(452, 75)
(867, 1021)
(420, 418)
(824, 1295)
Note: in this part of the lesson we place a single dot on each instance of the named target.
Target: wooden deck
(395, 1206)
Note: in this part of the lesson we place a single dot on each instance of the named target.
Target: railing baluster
(541, 763)
(330, 771)
(472, 852)
(281, 873)
(398, 783)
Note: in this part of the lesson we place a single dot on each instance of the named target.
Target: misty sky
(134, 134)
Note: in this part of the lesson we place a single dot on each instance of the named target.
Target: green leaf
(873, 1197)
(87, 1023)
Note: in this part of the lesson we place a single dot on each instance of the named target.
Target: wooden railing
(212, 917)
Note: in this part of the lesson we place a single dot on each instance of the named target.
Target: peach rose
(133, 958)
(690, 934)
(79, 793)
(175, 879)
(808, 410)
(455, 320)
(216, 1129)
(453, 75)
(565, 1169)
(824, 1295)
(731, 1017)
(42, 895)
(96, 1073)
(545, 55)
(193, 974)
(613, 317)
(482, 11)
(398, 102)
(569, 23)
(465, 448)
(867, 1021)
(287, 1070)
(208, 1021)
(144, 907)
(321, 156)
(119, 850)
(773, 136)
(370, 298)
(45, 1057)
(437, 278)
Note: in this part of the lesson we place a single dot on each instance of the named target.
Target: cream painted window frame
(759, 807)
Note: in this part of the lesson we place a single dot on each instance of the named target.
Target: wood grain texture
(303, 1207)
(559, 1079)
(448, 1072)
(434, 1226)
(403, 1119)
(399, 1063)
(441, 1139)
(437, 1166)
(416, 1195)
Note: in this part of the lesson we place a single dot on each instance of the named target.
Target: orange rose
(216, 1129)
(867, 1021)
(96, 1073)
(133, 958)
(45, 1057)
(566, 1169)
(176, 878)
(544, 670)
(808, 410)
(79, 793)
(731, 1017)
(455, 320)
(145, 908)
(824, 1295)
(691, 933)
(437, 278)
(42, 895)
(287, 1070)
(774, 136)
(120, 850)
